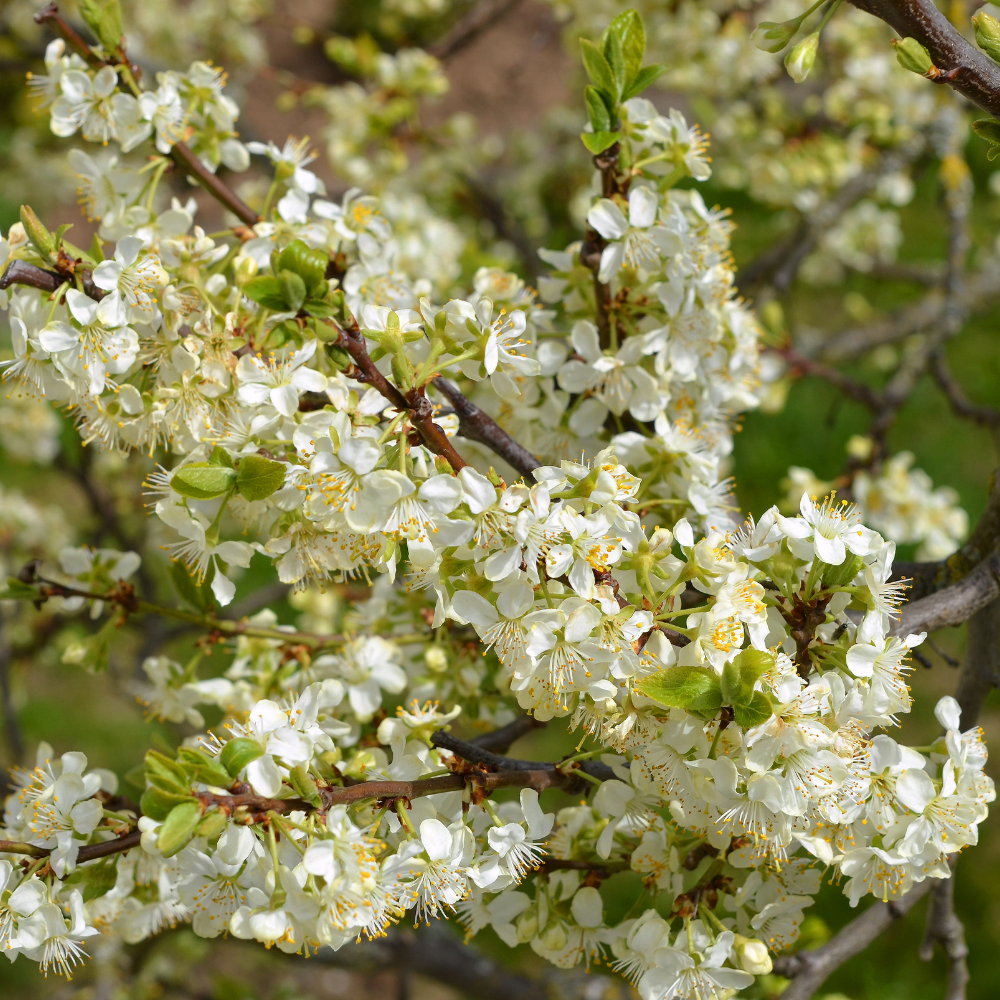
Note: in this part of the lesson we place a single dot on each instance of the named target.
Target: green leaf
(266, 291)
(597, 142)
(259, 477)
(96, 249)
(95, 880)
(319, 308)
(645, 76)
(198, 595)
(752, 663)
(730, 683)
(597, 109)
(166, 773)
(304, 785)
(105, 20)
(752, 711)
(156, 803)
(211, 826)
(631, 33)
(696, 689)
(178, 828)
(293, 289)
(612, 49)
(309, 264)
(201, 767)
(19, 591)
(220, 456)
(202, 480)
(237, 753)
(600, 73)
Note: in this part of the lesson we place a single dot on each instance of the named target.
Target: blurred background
(480, 157)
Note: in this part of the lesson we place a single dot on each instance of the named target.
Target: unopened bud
(246, 268)
(752, 955)
(436, 659)
(987, 34)
(40, 237)
(799, 62)
(773, 36)
(17, 237)
(911, 55)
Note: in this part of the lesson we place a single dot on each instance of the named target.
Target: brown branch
(808, 969)
(467, 29)
(780, 263)
(868, 397)
(960, 404)
(963, 67)
(476, 425)
(944, 928)
(981, 670)
(187, 160)
(478, 755)
(87, 853)
(500, 739)
(953, 605)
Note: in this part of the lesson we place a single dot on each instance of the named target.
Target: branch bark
(476, 425)
(809, 969)
(467, 29)
(976, 76)
(944, 928)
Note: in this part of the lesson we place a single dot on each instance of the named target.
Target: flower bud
(773, 36)
(17, 237)
(799, 62)
(752, 955)
(911, 55)
(987, 34)
(436, 659)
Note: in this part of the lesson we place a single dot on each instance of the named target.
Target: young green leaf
(752, 711)
(696, 689)
(201, 767)
(237, 753)
(178, 828)
(293, 290)
(752, 663)
(600, 73)
(166, 773)
(156, 803)
(19, 591)
(266, 291)
(612, 50)
(646, 76)
(597, 110)
(631, 33)
(202, 480)
(211, 826)
(104, 18)
(597, 142)
(258, 477)
(221, 457)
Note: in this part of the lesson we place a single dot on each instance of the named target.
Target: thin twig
(476, 425)
(467, 29)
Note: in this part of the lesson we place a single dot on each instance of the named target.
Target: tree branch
(467, 29)
(478, 755)
(976, 76)
(944, 928)
(809, 969)
(960, 404)
(476, 425)
(500, 739)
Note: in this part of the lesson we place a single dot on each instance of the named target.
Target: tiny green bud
(799, 62)
(37, 233)
(911, 55)
(987, 34)
(773, 36)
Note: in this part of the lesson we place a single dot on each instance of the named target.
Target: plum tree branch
(808, 969)
(976, 76)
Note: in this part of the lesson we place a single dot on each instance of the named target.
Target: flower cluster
(303, 375)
